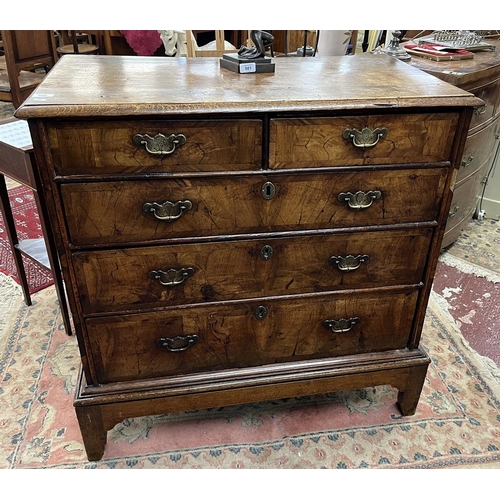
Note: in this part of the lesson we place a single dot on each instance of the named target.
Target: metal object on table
(458, 39)
(394, 50)
(251, 59)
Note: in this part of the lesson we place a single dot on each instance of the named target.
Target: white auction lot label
(247, 68)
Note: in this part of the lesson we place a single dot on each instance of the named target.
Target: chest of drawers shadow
(234, 238)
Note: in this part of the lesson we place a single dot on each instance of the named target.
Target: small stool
(17, 161)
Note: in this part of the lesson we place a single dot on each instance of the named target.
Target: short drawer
(132, 279)
(125, 212)
(362, 140)
(128, 147)
(139, 346)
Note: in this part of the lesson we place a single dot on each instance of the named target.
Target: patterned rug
(457, 423)
(6, 109)
(477, 250)
(28, 225)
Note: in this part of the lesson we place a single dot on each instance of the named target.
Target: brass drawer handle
(481, 110)
(167, 211)
(159, 145)
(453, 211)
(349, 262)
(172, 277)
(340, 325)
(177, 344)
(367, 138)
(467, 161)
(359, 199)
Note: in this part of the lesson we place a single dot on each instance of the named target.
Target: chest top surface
(86, 86)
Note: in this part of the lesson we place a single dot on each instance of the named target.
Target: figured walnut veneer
(230, 238)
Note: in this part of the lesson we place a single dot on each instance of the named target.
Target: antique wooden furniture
(24, 50)
(235, 238)
(194, 50)
(480, 76)
(92, 43)
(16, 162)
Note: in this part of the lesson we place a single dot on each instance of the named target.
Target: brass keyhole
(266, 252)
(260, 312)
(268, 190)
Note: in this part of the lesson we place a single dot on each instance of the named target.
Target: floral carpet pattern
(479, 244)
(457, 421)
(7, 109)
(27, 220)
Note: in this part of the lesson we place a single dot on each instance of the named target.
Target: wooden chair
(25, 51)
(301, 43)
(80, 42)
(221, 46)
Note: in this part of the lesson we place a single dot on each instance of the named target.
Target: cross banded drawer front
(120, 212)
(490, 94)
(228, 242)
(364, 140)
(142, 147)
(248, 334)
(478, 151)
(462, 203)
(130, 279)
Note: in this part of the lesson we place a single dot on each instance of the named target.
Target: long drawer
(128, 211)
(490, 95)
(478, 151)
(139, 346)
(361, 140)
(131, 279)
(115, 147)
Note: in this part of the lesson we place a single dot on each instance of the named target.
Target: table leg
(55, 266)
(10, 227)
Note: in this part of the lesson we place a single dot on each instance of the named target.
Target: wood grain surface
(112, 212)
(119, 280)
(108, 86)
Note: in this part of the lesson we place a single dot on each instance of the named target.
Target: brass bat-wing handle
(177, 344)
(360, 199)
(341, 325)
(366, 138)
(168, 210)
(348, 262)
(159, 145)
(171, 277)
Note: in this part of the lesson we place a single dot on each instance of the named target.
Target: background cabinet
(480, 76)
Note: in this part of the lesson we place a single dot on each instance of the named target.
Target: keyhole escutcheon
(266, 252)
(268, 190)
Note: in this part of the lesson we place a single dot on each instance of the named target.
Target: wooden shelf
(36, 250)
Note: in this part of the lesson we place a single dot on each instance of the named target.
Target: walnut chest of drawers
(231, 238)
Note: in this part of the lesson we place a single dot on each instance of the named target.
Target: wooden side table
(17, 161)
